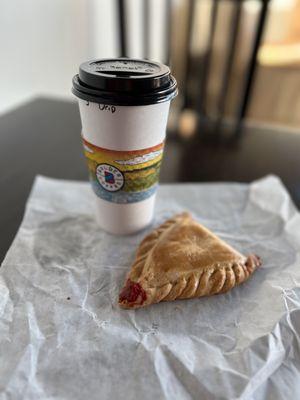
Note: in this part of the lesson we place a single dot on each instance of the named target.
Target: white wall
(41, 44)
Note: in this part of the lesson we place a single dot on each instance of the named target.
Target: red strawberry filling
(132, 293)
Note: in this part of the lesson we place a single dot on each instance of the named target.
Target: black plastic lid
(124, 81)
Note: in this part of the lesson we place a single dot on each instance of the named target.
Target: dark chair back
(194, 83)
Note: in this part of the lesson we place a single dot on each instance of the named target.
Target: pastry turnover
(182, 259)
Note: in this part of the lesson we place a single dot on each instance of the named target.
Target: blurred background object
(232, 58)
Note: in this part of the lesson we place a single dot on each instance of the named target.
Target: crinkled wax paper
(63, 336)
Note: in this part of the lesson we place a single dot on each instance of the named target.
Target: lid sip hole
(128, 74)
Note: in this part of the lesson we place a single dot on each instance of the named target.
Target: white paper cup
(123, 140)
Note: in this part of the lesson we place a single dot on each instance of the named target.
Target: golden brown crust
(181, 259)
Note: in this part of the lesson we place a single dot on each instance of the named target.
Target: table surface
(43, 137)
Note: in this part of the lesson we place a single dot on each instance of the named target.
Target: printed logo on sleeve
(109, 177)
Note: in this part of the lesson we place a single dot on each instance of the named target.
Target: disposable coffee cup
(124, 105)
